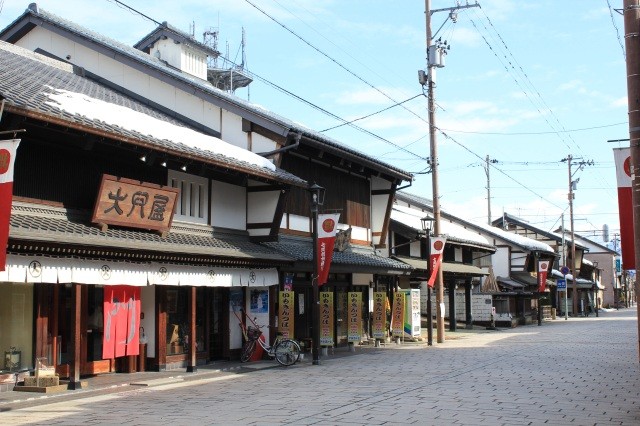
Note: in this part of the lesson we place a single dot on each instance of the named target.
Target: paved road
(583, 371)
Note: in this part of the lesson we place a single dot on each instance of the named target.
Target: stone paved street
(583, 371)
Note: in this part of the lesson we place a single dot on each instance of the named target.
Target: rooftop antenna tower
(230, 76)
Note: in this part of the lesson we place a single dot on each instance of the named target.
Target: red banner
(327, 228)
(543, 268)
(625, 207)
(435, 258)
(8, 150)
(121, 321)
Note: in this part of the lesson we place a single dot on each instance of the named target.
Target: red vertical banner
(8, 150)
(327, 228)
(435, 258)
(121, 321)
(543, 268)
(625, 206)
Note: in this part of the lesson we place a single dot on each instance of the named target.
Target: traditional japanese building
(120, 207)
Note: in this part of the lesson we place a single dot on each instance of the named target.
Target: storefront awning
(42, 269)
(461, 268)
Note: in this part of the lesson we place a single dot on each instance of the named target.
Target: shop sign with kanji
(134, 204)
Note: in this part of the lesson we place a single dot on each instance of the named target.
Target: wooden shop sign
(134, 204)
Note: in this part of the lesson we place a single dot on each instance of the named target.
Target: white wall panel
(228, 206)
(232, 130)
(260, 143)
(262, 206)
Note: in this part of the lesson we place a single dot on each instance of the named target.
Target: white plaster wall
(232, 130)
(130, 79)
(261, 206)
(228, 205)
(378, 207)
(500, 262)
(359, 233)
(299, 223)
(414, 249)
(260, 143)
(148, 306)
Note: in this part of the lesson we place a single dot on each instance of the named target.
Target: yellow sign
(326, 318)
(398, 315)
(379, 315)
(355, 317)
(285, 314)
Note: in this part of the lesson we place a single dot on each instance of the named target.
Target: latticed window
(193, 200)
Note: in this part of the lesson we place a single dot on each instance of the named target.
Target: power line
(536, 133)
(373, 113)
(613, 21)
(335, 61)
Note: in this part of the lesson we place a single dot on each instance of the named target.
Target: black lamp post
(426, 227)
(317, 199)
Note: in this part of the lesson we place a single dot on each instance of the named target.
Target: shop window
(16, 327)
(193, 200)
(95, 331)
(177, 307)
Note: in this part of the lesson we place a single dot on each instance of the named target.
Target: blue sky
(527, 83)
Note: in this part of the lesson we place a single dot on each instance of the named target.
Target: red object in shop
(257, 353)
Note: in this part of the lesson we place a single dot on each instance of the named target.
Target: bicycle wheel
(287, 352)
(247, 350)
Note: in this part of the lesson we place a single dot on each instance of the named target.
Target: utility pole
(486, 170)
(574, 285)
(435, 58)
(564, 265)
(631, 11)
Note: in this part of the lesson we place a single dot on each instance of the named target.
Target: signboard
(354, 332)
(397, 316)
(562, 284)
(134, 204)
(328, 226)
(285, 314)
(379, 326)
(412, 318)
(326, 318)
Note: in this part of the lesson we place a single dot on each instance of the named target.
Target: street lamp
(317, 199)
(426, 227)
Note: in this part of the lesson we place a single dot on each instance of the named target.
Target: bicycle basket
(253, 333)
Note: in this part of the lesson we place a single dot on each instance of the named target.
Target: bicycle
(285, 351)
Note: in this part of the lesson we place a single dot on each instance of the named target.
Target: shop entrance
(218, 322)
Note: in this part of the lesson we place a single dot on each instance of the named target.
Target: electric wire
(613, 21)
(335, 61)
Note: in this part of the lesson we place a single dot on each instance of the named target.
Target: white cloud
(620, 102)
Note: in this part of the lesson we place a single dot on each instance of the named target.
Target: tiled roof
(44, 224)
(26, 80)
(201, 85)
(303, 251)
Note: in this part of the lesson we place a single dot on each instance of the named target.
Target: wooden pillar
(42, 308)
(467, 303)
(191, 363)
(452, 306)
(76, 316)
(161, 328)
(54, 324)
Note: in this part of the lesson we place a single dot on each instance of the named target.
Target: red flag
(121, 321)
(8, 150)
(625, 207)
(327, 228)
(435, 258)
(543, 268)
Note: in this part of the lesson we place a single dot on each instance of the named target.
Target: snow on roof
(411, 217)
(524, 242)
(95, 109)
